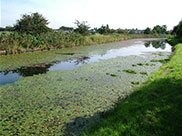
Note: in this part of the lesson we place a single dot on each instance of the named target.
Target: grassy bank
(152, 110)
(13, 43)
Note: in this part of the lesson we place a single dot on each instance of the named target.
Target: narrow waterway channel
(137, 48)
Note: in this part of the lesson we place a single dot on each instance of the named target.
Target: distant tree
(148, 31)
(32, 24)
(164, 29)
(64, 28)
(120, 31)
(177, 30)
(104, 29)
(2, 29)
(7, 28)
(160, 29)
(82, 28)
(157, 29)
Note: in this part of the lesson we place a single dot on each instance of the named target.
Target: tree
(157, 29)
(164, 29)
(160, 29)
(148, 31)
(82, 28)
(177, 30)
(32, 24)
(104, 29)
(65, 28)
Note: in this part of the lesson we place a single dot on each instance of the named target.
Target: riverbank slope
(152, 110)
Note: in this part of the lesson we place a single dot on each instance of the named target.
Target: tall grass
(14, 43)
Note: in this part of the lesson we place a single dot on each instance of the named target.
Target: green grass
(152, 110)
(130, 71)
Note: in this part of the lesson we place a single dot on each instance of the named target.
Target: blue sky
(117, 13)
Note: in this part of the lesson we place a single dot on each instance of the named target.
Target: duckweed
(130, 71)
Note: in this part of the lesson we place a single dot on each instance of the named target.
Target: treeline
(6, 29)
(157, 30)
(177, 32)
(31, 33)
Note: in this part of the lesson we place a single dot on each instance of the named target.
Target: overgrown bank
(13, 43)
(152, 110)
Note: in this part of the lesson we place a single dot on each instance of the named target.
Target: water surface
(138, 48)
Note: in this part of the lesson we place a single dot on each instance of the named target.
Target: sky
(117, 13)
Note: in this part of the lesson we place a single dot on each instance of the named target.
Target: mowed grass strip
(153, 110)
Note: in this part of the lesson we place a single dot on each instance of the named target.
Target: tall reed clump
(14, 43)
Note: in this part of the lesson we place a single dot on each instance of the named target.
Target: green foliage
(148, 31)
(130, 71)
(7, 28)
(178, 30)
(156, 30)
(106, 30)
(14, 42)
(160, 29)
(82, 28)
(64, 28)
(33, 24)
(152, 110)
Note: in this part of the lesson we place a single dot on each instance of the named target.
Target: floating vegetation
(140, 64)
(133, 65)
(113, 75)
(130, 71)
(147, 64)
(60, 79)
(65, 102)
(143, 73)
(161, 60)
(152, 64)
(135, 83)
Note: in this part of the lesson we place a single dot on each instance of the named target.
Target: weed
(143, 73)
(161, 61)
(135, 83)
(130, 71)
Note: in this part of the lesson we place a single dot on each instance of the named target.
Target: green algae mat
(65, 102)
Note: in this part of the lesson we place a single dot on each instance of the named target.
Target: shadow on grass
(153, 110)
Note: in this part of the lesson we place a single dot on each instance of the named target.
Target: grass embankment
(13, 43)
(152, 110)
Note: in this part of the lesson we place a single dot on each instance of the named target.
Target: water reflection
(156, 44)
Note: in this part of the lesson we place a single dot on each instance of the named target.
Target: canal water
(138, 48)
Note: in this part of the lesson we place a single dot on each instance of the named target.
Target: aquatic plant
(161, 60)
(135, 83)
(143, 73)
(130, 71)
